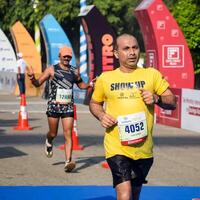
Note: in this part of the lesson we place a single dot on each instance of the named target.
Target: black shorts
(58, 115)
(126, 169)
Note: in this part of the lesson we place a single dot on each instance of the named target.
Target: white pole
(83, 49)
(37, 29)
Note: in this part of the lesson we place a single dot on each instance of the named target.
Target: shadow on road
(8, 152)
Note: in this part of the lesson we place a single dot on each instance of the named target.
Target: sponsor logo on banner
(152, 58)
(7, 54)
(161, 24)
(107, 52)
(53, 29)
(175, 33)
(190, 110)
(159, 7)
(172, 56)
(193, 106)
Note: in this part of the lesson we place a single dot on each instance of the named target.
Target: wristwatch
(157, 99)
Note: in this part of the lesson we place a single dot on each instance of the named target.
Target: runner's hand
(30, 71)
(147, 96)
(92, 82)
(107, 120)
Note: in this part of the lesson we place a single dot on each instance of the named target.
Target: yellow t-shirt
(121, 94)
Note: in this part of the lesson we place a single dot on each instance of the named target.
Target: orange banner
(25, 44)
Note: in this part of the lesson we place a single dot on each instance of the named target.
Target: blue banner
(54, 38)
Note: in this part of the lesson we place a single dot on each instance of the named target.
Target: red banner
(170, 117)
(166, 47)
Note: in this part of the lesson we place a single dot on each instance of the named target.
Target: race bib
(64, 96)
(132, 128)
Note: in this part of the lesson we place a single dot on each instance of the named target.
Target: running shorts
(58, 115)
(126, 169)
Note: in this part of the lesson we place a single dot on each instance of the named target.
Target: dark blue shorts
(126, 169)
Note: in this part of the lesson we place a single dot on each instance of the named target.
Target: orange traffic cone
(76, 145)
(23, 115)
(105, 165)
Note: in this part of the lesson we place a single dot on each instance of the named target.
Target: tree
(187, 14)
(118, 13)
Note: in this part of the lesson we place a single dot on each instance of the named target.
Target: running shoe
(69, 166)
(48, 149)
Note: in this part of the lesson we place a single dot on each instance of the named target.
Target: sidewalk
(22, 159)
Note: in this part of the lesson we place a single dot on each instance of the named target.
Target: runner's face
(128, 52)
(65, 60)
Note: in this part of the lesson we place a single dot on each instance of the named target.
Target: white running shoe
(48, 149)
(69, 166)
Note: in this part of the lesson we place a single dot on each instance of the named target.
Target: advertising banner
(100, 40)
(25, 44)
(100, 37)
(166, 47)
(7, 55)
(54, 38)
(190, 110)
(170, 117)
(8, 65)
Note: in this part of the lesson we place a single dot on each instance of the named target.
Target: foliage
(187, 14)
(118, 13)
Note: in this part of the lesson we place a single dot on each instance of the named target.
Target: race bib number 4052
(132, 128)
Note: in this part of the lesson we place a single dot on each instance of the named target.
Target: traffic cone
(105, 165)
(23, 115)
(76, 145)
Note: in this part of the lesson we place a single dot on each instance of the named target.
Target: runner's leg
(67, 124)
(123, 191)
(53, 128)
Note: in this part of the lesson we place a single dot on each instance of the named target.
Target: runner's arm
(82, 85)
(167, 100)
(98, 111)
(49, 72)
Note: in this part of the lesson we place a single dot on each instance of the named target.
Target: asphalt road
(23, 162)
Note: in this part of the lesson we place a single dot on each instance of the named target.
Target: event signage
(100, 41)
(166, 47)
(190, 110)
(100, 38)
(7, 55)
(54, 38)
(25, 44)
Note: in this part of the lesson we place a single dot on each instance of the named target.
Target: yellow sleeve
(160, 84)
(98, 94)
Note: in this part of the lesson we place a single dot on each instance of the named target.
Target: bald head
(123, 37)
(127, 52)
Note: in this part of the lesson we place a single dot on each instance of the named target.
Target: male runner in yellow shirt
(129, 94)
